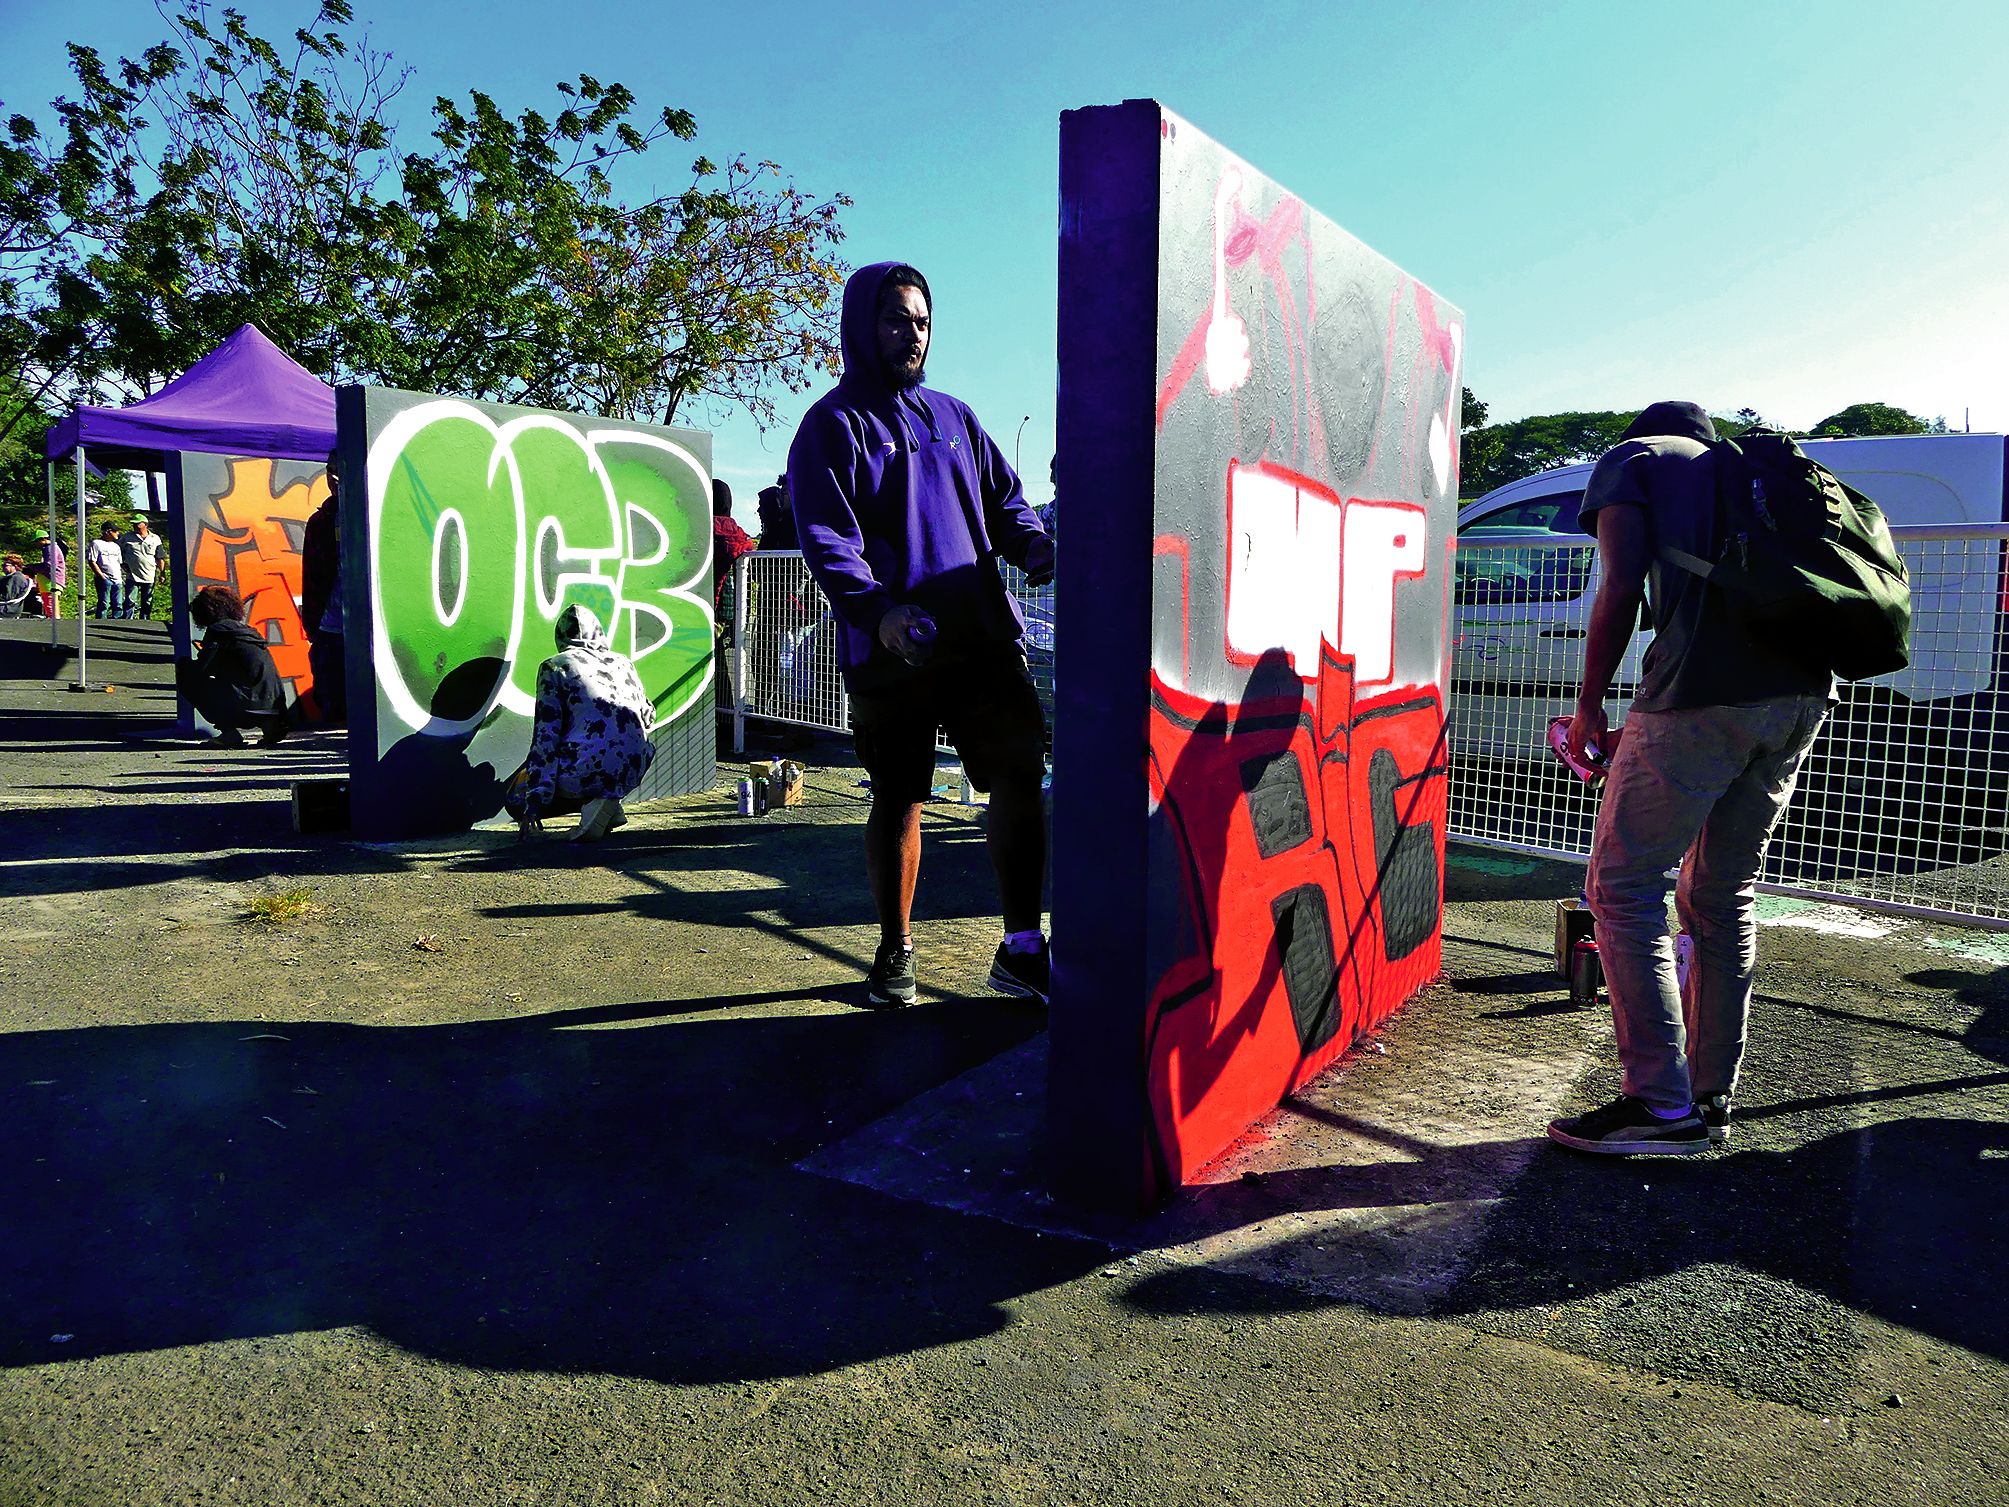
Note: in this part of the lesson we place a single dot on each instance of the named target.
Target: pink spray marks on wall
(1301, 492)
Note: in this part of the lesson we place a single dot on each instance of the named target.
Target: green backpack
(1805, 558)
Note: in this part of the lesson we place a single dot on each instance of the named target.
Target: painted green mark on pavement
(1771, 907)
(1990, 947)
(1500, 868)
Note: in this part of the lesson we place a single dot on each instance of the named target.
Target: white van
(1526, 574)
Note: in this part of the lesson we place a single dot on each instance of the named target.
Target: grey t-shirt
(142, 555)
(1699, 656)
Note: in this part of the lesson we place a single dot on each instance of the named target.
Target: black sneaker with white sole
(891, 982)
(1626, 1127)
(1026, 974)
(1715, 1112)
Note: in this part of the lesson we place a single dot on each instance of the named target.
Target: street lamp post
(1015, 439)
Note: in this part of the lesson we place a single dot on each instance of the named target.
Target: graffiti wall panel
(483, 523)
(242, 520)
(1301, 497)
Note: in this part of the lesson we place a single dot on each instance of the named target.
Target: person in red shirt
(729, 540)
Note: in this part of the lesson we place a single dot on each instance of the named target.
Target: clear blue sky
(1792, 206)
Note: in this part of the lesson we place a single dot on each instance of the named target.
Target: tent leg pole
(83, 678)
(49, 486)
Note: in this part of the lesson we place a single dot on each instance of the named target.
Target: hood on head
(859, 324)
(1689, 420)
(579, 628)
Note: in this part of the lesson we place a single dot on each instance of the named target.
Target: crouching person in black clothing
(232, 681)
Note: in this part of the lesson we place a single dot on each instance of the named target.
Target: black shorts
(986, 705)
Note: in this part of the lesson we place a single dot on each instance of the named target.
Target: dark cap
(1690, 420)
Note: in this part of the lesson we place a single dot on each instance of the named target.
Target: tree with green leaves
(24, 499)
(1873, 418)
(1493, 455)
(219, 177)
(1521, 447)
(1478, 446)
(1730, 425)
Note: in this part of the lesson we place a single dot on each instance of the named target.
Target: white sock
(1024, 941)
(1672, 1114)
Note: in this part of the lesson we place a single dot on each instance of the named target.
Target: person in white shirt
(141, 549)
(107, 565)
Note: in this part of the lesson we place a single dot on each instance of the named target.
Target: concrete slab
(1371, 1184)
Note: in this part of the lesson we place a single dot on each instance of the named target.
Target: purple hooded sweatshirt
(902, 499)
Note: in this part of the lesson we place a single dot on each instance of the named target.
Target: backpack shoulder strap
(1694, 564)
(1729, 456)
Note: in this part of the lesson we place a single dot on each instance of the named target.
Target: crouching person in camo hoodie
(589, 746)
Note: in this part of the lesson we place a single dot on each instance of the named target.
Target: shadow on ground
(80, 849)
(600, 1190)
(1837, 1196)
(775, 873)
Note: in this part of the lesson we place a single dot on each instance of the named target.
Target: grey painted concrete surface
(323, 1216)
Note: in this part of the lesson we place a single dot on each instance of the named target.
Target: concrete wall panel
(482, 523)
(1249, 841)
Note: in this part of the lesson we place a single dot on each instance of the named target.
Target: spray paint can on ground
(746, 797)
(1586, 974)
(760, 795)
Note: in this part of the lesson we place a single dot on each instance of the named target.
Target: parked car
(1526, 574)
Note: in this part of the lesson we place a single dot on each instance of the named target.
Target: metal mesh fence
(783, 649)
(1901, 803)
(783, 646)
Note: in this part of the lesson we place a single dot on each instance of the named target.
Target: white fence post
(740, 657)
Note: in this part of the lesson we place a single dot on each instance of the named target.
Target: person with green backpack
(1763, 576)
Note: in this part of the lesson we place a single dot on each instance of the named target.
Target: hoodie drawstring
(928, 413)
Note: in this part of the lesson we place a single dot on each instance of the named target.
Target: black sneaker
(891, 981)
(230, 737)
(1715, 1112)
(1026, 974)
(1626, 1127)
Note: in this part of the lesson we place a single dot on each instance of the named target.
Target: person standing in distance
(54, 571)
(321, 602)
(1712, 746)
(141, 549)
(107, 564)
(902, 502)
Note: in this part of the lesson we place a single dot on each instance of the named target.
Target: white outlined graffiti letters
(483, 531)
(1306, 569)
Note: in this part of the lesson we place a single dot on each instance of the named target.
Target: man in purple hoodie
(902, 504)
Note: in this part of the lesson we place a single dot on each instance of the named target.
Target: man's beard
(905, 374)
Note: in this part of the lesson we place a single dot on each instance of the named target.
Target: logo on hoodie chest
(892, 447)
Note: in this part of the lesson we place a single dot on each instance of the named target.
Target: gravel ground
(483, 1181)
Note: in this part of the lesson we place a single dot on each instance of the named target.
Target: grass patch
(287, 905)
